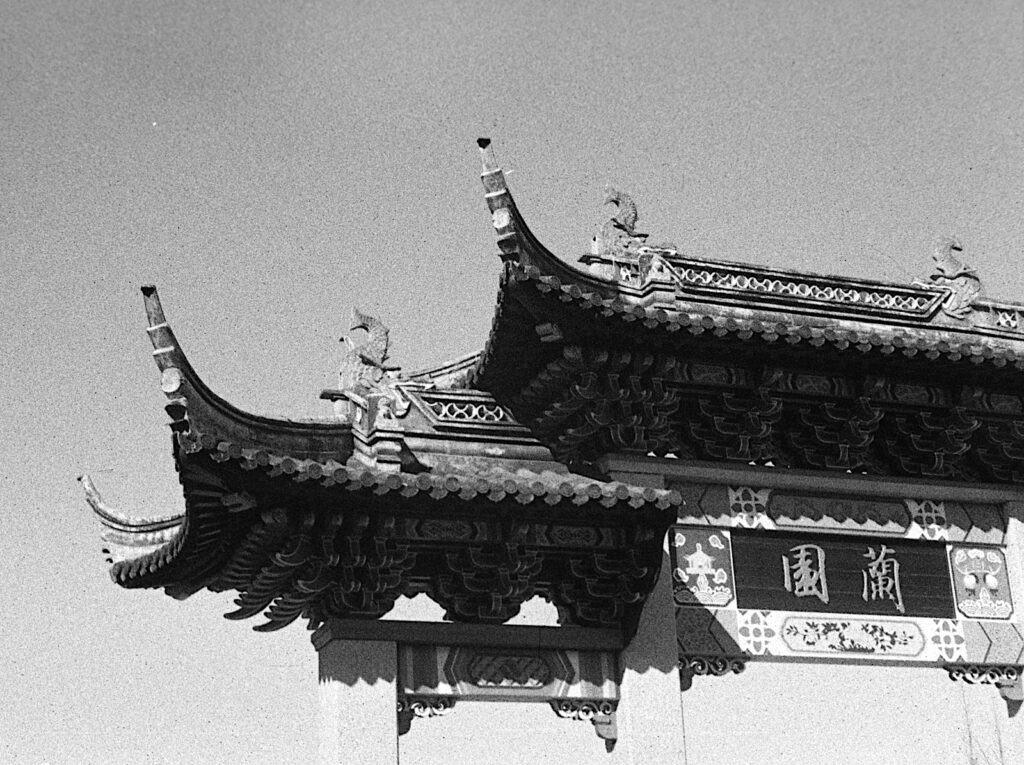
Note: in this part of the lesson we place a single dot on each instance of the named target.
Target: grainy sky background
(269, 165)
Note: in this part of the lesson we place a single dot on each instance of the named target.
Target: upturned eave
(419, 490)
(659, 354)
(755, 304)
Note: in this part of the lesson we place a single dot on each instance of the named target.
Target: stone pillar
(1005, 715)
(650, 713)
(358, 700)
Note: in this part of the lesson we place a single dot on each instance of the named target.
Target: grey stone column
(650, 709)
(358, 701)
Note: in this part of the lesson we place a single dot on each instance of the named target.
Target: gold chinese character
(803, 569)
(882, 578)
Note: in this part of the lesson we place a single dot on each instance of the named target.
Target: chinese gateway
(757, 501)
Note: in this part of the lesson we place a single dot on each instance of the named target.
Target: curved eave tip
(115, 519)
(487, 155)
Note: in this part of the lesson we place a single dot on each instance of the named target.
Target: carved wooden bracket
(715, 666)
(600, 713)
(421, 706)
(1008, 678)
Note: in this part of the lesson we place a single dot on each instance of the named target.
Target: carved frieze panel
(714, 374)
(473, 672)
(578, 684)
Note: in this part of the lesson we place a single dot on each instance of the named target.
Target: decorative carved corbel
(715, 666)
(1008, 678)
(600, 712)
(421, 706)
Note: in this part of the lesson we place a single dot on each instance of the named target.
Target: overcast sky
(271, 165)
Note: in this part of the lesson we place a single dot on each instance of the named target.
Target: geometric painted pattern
(949, 640)
(747, 507)
(928, 518)
(755, 631)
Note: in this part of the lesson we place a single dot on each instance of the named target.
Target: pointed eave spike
(166, 351)
(490, 165)
(154, 311)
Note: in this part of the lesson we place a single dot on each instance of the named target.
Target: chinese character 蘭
(803, 569)
(882, 577)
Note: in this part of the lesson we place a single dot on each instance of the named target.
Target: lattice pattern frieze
(465, 411)
(918, 305)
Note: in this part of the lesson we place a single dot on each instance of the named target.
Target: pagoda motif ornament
(701, 568)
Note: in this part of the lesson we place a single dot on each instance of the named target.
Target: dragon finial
(622, 253)
(627, 215)
(960, 280)
(618, 237)
(948, 264)
(364, 362)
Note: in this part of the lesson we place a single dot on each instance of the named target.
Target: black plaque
(846, 575)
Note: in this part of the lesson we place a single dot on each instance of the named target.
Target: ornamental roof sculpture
(478, 482)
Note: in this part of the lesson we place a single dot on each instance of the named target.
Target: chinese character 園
(803, 569)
